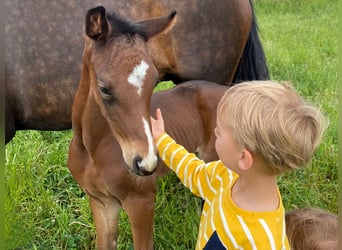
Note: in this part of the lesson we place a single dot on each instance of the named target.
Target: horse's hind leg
(106, 218)
(140, 211)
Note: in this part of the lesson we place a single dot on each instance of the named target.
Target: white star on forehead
(136, 78)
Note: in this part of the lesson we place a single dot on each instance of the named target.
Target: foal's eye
(105, 92)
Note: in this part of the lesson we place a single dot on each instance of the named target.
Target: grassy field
(45, 209)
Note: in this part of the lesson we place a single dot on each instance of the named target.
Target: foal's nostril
(137, 163)
(139, 169)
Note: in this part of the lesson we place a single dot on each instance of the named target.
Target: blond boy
(263, 129)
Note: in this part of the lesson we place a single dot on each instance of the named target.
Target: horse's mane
(121, 26)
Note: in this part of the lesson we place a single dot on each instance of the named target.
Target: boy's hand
(157, 125)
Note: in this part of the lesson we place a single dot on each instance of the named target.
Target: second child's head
(273, 121)
(312, 228)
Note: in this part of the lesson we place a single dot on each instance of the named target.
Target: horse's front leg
(140, 211)
(106, 217)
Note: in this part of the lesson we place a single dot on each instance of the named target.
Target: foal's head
(122, 77)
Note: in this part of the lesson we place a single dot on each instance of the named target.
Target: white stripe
(200, 190)
(269, 233)
(150, 161)
(247, 232)
(220, 180)
(173, 154)
(231, 177)
(205, 236)
(165, 149)
(225, 225)
(136, 78)
(209, 184)
(180, 163)
(190, 178)
(161, 139)
(214, 168)
(185, 174)
(186, 169)
(204, 232)
(203, 225)
(212, 218)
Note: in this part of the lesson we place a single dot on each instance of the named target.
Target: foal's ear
(154, 26)
(97, 26)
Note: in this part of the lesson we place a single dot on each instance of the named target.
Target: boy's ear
(245, 160)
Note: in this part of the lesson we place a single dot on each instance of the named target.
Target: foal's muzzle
(139, 167)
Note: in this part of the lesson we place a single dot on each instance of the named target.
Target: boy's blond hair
(272, 120)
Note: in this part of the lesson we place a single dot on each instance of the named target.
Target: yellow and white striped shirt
(223, 225)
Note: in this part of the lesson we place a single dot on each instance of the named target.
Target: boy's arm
(192, 171)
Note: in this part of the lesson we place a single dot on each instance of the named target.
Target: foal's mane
(121, 26)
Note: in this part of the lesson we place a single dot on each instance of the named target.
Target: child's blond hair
(312, 228)
(272, 120)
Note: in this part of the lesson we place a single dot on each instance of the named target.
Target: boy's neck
(256, 192)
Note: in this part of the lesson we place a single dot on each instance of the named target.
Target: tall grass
(45, 209)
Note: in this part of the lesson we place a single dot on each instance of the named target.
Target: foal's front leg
(140, 211)
(106, 217)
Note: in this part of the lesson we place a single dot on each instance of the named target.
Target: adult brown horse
(43, 41)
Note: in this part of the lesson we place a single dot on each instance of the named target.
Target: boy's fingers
(154, 119)
(159, 114)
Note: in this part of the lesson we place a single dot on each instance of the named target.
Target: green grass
(45, 209)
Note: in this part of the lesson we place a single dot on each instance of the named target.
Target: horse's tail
(252, 64)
